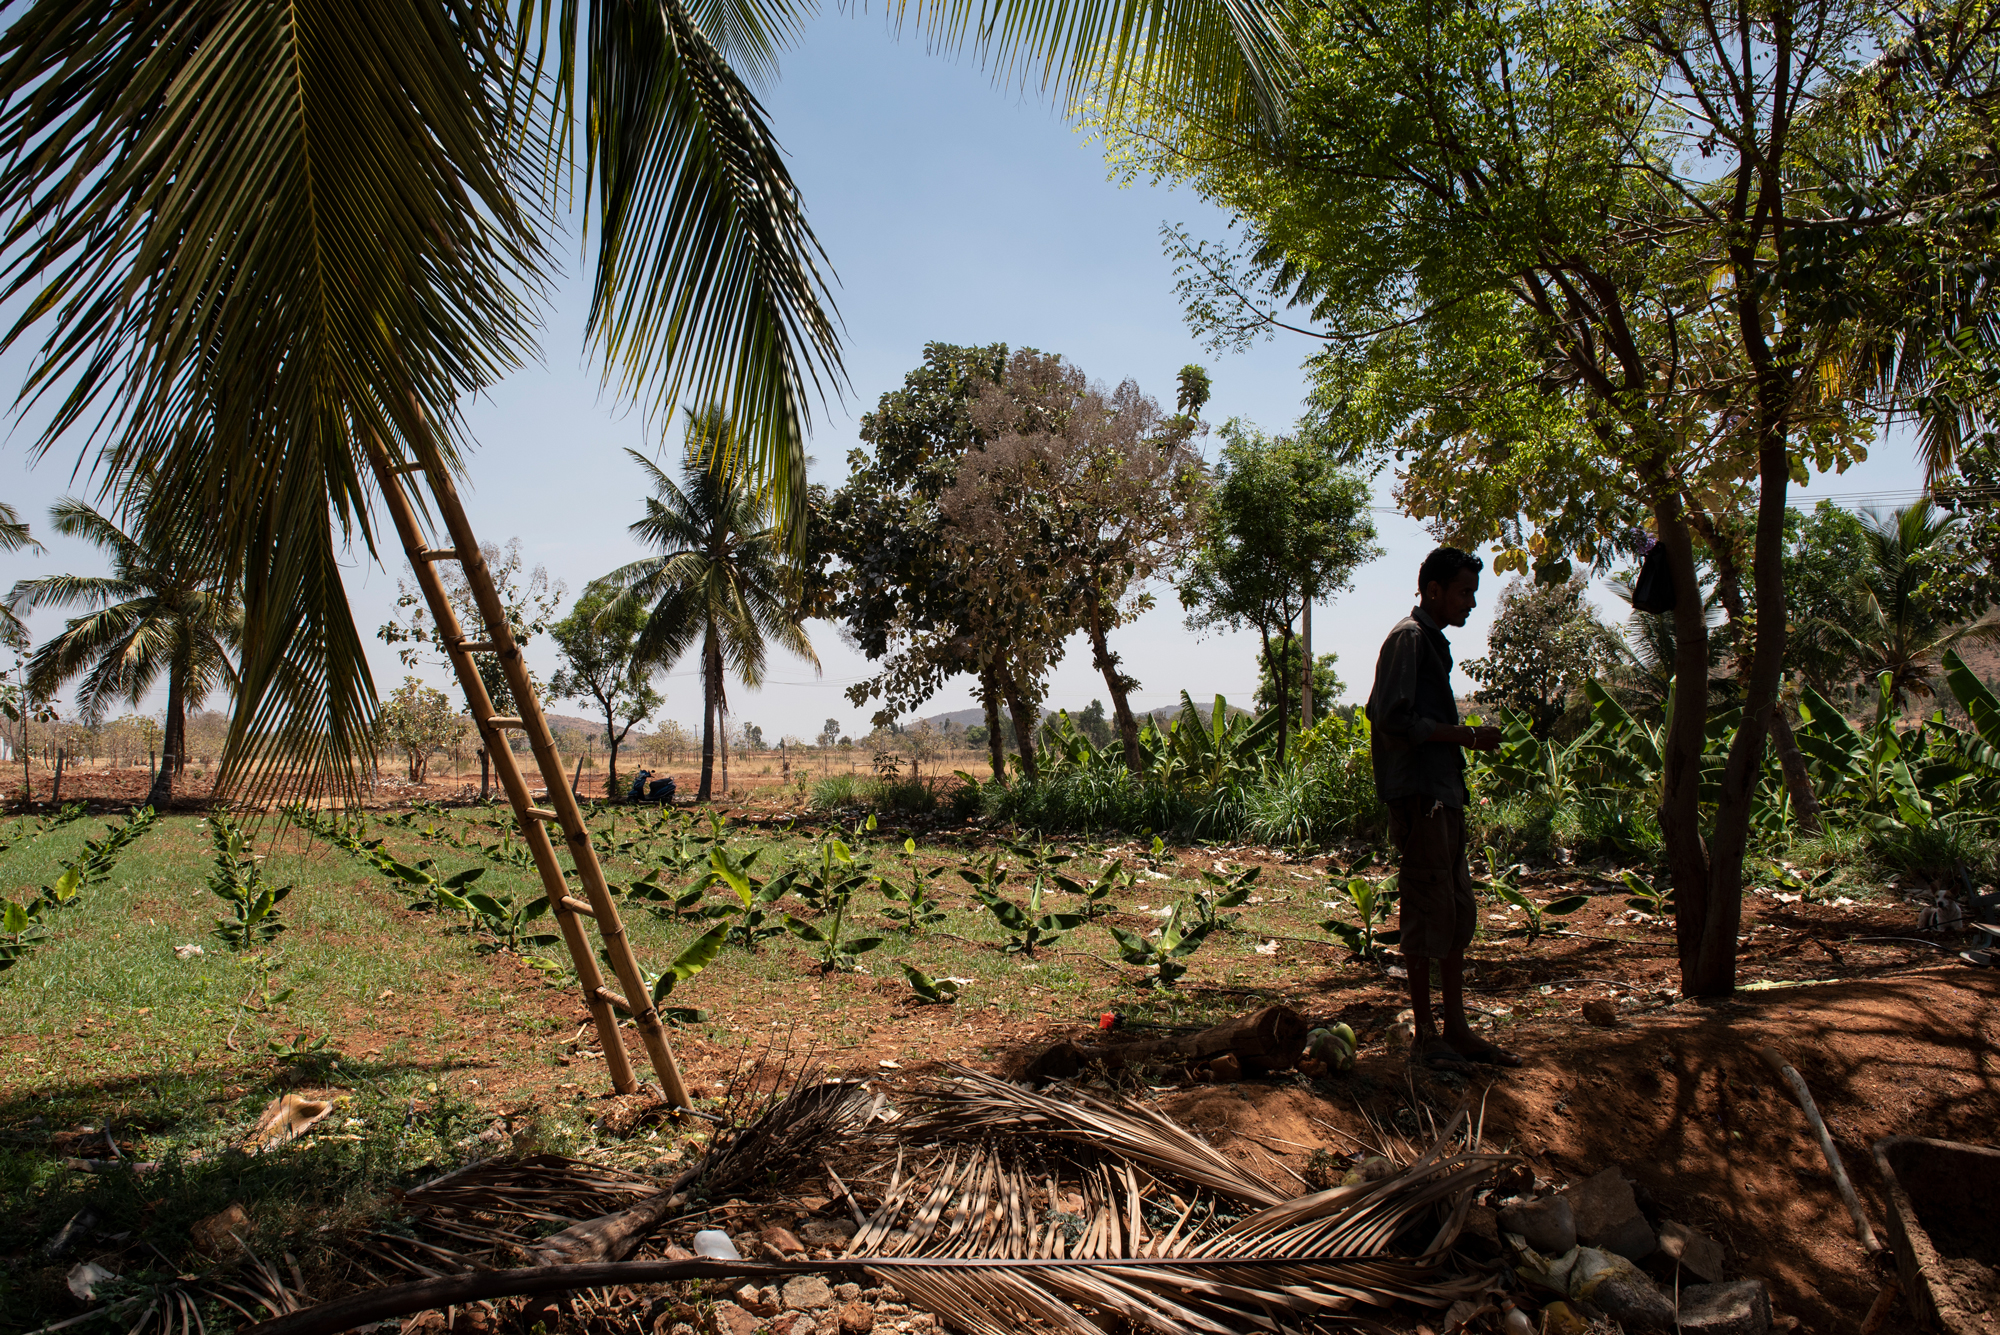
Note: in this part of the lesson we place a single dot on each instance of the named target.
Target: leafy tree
(1070, 502)
(1286, 525)
(1550, 249)
(1326, 683)
(529, 598)
(254, 313)
(722, 579)
(1824, 556)
(829, 733)
(163, 609)
(418, 720)
(1092, 723)
(881, 551)
(601, 665)
(1546, 642)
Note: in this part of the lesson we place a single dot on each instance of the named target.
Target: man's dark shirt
(1412, 699)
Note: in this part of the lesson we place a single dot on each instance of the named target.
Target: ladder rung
(437, 554)
(606, 994)
(575, 905)
(400, 469)
(475, 646)
(505, 721)
(543, 813)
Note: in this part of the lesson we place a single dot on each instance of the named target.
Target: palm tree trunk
(711, 682)
(173, 745)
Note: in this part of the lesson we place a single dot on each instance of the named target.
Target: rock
(856, 1318)
(846, 1292)
(1607, 1216)
(681, 1328)
(729, 1319)
(1372, 1169)
(1741, 1308)
(676, 1252)
(1484, 1224)
(85, 1276)
(806, 1291)
(795, 1323)
(780, 1240)
(764, 1301)
(1225, 1068)
(1697, 1252)
(188, 952)
(1400, 1035)
(1614, 1285)
(827, 1232)
(1546, 1225)
(1603, 1014)
(219, 1234)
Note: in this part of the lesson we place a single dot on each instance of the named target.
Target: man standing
(1419, 763)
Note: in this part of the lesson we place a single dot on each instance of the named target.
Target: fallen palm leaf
(970, 1221)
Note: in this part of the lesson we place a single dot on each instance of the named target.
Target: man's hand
(1479, 739)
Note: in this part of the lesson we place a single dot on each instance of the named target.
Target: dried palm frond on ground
(994, 1206)
(251, 1289)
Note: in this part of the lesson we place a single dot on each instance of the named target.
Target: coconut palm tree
(263, 249)
(723, 577)
(1898, 629)
(14, 536)
(160, 611)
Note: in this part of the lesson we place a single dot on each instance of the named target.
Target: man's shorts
(1438, 910)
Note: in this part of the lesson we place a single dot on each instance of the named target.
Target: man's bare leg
(1457, 1032)
(1428, 1047)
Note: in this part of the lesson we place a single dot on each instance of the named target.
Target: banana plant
(1224, 892)
(93, 866)
(934, 991)
(21, 926)
(428, 890)
(508, 922)
(754, 895)
(1165, 953)
(689, 905)
(1655, 897)
(1029, 927)
(1097, 892)
(691, 961)
(911, 908)
(1372, 901)
(238, 881)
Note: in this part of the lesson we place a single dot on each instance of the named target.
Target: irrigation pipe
(1798, 1086)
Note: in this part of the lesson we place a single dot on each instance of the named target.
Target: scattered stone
(1225, 1068)
(1607, 1216)
(1741, 1308)
(729, 1319)
(1400, 1035)
(1483, 1223)
(891, 1309)
(779, 1239)
(856, 1318)
(846, 1292)
(219, 1234)
(1603, 1014)
(682, 1328)
(921, 1321)
(827, 1232)
(1372, 1169)
(1613, 1284)
(188, 952)
(676, 1252)
(1697, 1252)
(1546, 1224)
(806, 1291)
(85, 1276)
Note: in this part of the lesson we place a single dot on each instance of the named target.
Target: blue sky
(953, 211)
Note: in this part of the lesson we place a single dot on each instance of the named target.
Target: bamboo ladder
(570, 912)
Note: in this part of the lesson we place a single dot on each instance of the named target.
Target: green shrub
(905, 797)
(836, 792)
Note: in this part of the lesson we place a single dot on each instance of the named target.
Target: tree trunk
(1714, 972)
(711, 682)
(1282, 681)
(485, 774)
(1687, 720)
(173, 745)
(1798, 782)
(1024, 723)
(996, 745)
(1306, 668)
(1118, 684)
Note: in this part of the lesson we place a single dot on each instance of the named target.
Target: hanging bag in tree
(1653, 591)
